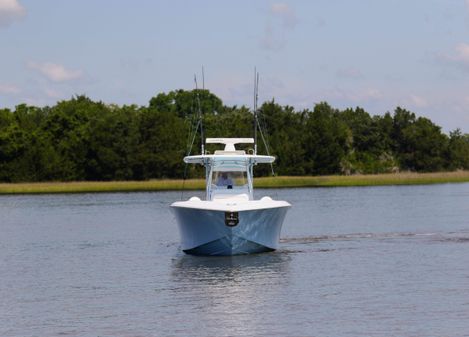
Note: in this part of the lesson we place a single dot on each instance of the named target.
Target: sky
(376, 54)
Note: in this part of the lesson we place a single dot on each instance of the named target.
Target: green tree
(327, 141)
(68, 127)
(112, 144)
(161, 146)
(422, 146)
(79, 139)
(371, 151)
(458, 150)
(184, 103)
(284, 131)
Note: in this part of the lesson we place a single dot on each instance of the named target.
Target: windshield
(229, 179)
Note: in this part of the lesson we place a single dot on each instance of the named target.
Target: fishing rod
(256, 97)
(202, 140)
(203, 78)
(256, 120)
(194, 134)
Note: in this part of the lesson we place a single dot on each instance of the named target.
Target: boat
(229, 221)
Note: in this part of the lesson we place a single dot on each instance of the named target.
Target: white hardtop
(246, 158)
(229, 154)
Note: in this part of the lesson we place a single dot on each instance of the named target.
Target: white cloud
(280, 22)
(9, 89)
(10, 11)
(286, 14)
(459, 56)
(56, 72)
(467, 4)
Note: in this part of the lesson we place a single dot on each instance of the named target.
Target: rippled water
(378, 261)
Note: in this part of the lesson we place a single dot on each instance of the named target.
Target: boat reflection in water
(232, 291)
(225, 269)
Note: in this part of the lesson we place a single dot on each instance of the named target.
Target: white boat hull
(204, 230)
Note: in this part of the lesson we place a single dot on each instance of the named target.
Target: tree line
(81, 139)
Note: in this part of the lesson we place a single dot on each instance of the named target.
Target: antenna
(203, 78)
(256, 96)
(200, 116)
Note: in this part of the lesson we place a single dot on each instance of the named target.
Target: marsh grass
(364, 180)
(101, 186)
(263, 182)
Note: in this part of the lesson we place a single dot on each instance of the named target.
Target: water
(378, 261)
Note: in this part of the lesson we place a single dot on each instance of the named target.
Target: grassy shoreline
(265, 182)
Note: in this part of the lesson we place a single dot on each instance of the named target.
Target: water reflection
(229, 268)
(232, 291)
